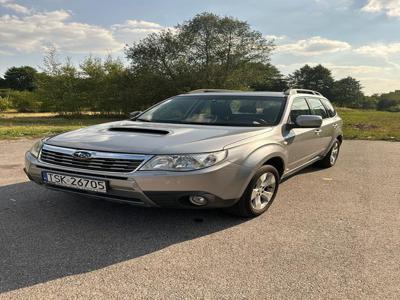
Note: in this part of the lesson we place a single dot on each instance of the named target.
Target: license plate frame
(81, 183)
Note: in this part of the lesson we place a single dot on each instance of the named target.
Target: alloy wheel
(263, 191)
(334, 153)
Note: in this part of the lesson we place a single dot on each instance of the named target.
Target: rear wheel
(259, 194)
(331, 157)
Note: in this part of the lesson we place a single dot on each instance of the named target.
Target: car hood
(154, 138)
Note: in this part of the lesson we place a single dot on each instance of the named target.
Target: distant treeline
(208, 51)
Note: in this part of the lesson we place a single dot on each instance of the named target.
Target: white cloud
(31, 31)
(276, 37)
(379, 84)
(314, 46)
(16, 8)
(380, 50)
(390, 53)
(377, 66)
(361, 72)
(133, 30)
(390, 7)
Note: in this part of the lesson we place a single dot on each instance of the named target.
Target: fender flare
(260, 156)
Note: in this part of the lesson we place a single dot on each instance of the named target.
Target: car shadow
(45, 235)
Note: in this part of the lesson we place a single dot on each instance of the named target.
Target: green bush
(4, 104)
(24, 101)
(395, 108)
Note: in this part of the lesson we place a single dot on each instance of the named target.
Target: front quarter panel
(253, 155)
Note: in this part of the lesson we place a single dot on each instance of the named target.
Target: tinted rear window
(317, 108)
(329, 107)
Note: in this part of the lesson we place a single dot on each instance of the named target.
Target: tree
(51, 63)
(207, 51)
(59, 86)
(370, 102)
(269, 79)
(104, 85)
(2, 83)
(20, 78)
(389, 101)
(316, 78)
(220, 45)
(348, 92)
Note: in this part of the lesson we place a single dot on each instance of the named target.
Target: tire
(331, 157)
(247, 205)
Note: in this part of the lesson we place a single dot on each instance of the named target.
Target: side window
(299, 107)
(329, 107)
(317, 108)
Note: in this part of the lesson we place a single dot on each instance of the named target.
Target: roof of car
(237, 93)
(225, 92)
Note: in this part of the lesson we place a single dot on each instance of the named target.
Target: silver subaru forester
(204, 149)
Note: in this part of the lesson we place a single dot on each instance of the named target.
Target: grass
(17, 125)
(358, 124)
(370, 124)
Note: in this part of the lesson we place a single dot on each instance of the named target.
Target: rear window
(317, 108)
(329, 107)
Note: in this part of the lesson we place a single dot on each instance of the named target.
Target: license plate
(75, 182)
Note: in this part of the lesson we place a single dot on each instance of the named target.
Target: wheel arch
(278, 163)
(273, 154)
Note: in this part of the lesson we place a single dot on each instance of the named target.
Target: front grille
(106, 164)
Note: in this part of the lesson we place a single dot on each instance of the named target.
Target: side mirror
(134, 114)
(308, 121)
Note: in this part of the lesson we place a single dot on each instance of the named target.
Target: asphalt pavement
(332, 233)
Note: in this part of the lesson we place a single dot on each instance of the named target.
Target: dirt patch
(360, 126)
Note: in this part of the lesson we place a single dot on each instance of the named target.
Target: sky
(358, 38)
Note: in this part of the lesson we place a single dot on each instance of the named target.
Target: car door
(334, 120)
(302, 143)
(325, 132)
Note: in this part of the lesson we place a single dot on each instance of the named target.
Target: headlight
(37, 147)
(184, 162)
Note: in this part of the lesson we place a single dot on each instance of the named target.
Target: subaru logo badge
(83, 155)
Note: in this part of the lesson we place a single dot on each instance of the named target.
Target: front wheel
(259, 194)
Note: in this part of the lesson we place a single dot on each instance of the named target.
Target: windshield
(217, 110)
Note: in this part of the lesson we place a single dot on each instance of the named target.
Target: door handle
(317, 131)
(335, 125)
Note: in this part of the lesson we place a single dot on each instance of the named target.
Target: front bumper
(221, 184)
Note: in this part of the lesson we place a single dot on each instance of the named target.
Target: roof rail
(212, 91)
(302, 91)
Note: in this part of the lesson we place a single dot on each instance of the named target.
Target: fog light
(198, 200)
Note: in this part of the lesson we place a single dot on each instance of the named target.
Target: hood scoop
(139, 130)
